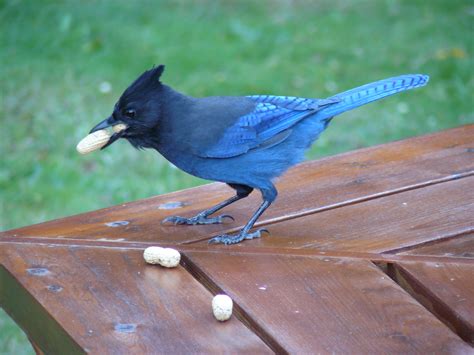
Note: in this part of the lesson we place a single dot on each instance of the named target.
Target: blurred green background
(64, 63)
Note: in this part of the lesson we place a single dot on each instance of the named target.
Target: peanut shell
(93, 141)
(119, 127)
(166, 257)
(222, 307)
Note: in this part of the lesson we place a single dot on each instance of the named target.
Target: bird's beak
(102, 125)
(119, 129)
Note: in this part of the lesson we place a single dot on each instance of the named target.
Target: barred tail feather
(371, 92)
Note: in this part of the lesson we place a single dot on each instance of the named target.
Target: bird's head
(138, 109)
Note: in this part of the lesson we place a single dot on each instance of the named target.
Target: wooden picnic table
(370, 251)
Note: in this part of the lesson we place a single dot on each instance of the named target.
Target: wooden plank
(312, 186)
(461, 246)
(446, 289)
(324, 305)
(110, 301)
(379, 225)
(37, 323)
(382, 258)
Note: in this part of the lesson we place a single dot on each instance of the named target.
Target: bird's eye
(130, 113)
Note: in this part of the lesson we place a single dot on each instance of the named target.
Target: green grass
(56, 54)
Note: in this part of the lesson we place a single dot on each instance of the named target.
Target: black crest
(147, 82)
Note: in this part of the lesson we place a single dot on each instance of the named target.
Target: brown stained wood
(383, 258)
(324, 305)
(80, 283)
(38, 324)
(447, 290)
(461, 246)
(37, 350)
(110, 302)
(379, 225)
(309, 187)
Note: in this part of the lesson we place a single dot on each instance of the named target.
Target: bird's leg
(244, 232)
(269, 194)
(202, 217)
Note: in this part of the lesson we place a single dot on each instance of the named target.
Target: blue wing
(263, 126)
(271, 121)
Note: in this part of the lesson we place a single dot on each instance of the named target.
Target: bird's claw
(199, 219)
(222, 217)
(234, 239)
(174, 220)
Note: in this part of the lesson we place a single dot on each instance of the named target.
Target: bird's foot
(198, 219)
(234, 239)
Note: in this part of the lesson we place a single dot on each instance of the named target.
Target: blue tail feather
(371, 92)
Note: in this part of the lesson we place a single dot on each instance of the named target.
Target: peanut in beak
(98, 139)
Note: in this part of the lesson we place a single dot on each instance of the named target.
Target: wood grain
(324, 305)
(447, 290)
(379, 225)
(310, 187)
(80, 284)
(460, 246)
(111, 302)
(36, 321)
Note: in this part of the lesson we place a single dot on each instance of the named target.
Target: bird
(243, 141)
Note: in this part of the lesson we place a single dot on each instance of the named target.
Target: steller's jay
(244, 142)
